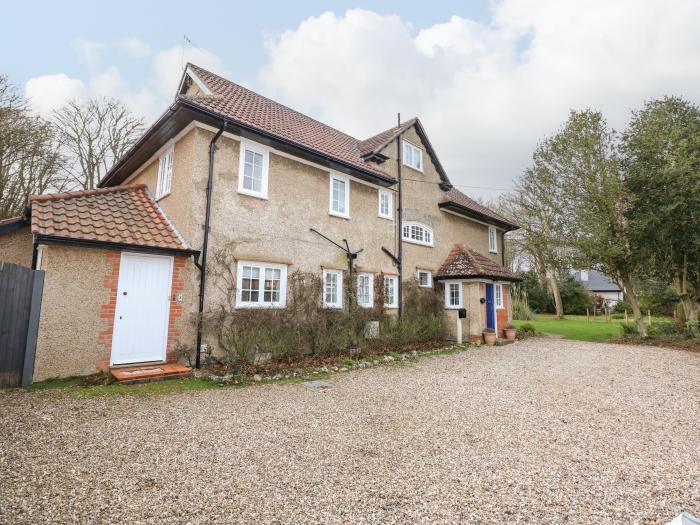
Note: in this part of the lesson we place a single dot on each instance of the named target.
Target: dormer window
(417, 233)
(412, 156)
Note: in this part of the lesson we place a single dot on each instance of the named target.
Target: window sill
(419, 170)
(425, 286)
(249, 193)
(385, 217)
(339, 215)
(364, 305)
(161, 197)
(493, 251)
(244, 306)
(418, 243)
(391, 306)
(454, 307)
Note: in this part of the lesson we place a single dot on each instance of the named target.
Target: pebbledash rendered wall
(16, 247)
(277, 229)
(77, 312)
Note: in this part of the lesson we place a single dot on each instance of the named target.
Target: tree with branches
(30, 157)
(93, 135)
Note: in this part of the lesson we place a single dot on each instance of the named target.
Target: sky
(487, 79)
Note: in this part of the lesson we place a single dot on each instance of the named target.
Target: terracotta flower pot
(510, 333)
(489, 338)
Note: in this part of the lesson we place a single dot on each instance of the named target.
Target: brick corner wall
(111, 282)
(176, 309)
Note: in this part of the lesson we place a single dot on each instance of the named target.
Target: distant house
(603, 287)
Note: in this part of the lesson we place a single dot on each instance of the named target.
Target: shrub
(305, 328)
(521, 310)
(527, 329)
(617, 316)
(629, 328)
(575, 298)
(661, 328)
(622, 306)
(534, 294)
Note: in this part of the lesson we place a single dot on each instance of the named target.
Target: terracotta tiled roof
(455, 196)
(380, 140)
(242, 105)
(120, 214)
(464, 262)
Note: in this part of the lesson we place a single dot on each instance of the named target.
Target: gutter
(205, 245)
(90, 243)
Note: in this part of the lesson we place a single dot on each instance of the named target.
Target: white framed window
(253, 170)
(584, 275)
(417, 233)
(165, 173)
(332, 288)
(498, 295)
(493, 239)
(453, 294)
(339, 198)
(365, 290)
(386, 204)
(391, 291)
(425, 279)
(261, 285)
(412, 156)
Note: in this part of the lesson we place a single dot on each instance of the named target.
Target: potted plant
(489, 336)
(510, 332)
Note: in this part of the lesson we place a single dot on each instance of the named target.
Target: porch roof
(120, 217)
(466, 263)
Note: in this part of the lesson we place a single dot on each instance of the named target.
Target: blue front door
(490, 308)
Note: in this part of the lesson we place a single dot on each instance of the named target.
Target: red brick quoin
(111, 282)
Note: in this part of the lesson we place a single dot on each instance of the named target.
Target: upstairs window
(332, 288)
(386, 204)
(339, 196)
(493, 240)
(412, 156)
(165, 173)
(365, 290)
(391, 291)
(417, 233)
(425, 279)
(261, 285)
(253, 170)
(453, 294)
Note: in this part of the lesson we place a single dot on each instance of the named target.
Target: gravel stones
(540, 431)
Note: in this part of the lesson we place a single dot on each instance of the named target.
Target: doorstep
(146, 373)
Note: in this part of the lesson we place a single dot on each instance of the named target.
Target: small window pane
(454, 298)
(339, 189)
(253, 171)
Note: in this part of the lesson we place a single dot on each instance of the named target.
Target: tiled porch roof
(464, 263)
(121, 214)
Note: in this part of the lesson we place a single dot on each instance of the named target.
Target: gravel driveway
(541, 431)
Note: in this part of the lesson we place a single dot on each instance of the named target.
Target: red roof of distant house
(120, 214)
(464, 262)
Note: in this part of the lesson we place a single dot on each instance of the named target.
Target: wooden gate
(20, 303)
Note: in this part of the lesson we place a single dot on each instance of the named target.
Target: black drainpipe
(203, 265)
(400, 219)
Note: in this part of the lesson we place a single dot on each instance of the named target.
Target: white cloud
(487, 92)
(49, 92)
(135, 47)
(148, 97)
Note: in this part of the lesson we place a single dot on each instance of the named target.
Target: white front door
(143, 308)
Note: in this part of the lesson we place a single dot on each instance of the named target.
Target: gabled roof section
(464, 263)
(598, 282)
(373, 146)
(120, 215)
(245, 107)
(456, 201)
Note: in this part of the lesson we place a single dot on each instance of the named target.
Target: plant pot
(489, 338)
(510, 333)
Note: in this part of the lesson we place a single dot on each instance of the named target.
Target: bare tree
(30, 161)
(93, 136)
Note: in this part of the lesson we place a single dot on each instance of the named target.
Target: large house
(226, 168)
(604, 288)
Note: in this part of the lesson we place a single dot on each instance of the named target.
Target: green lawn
(576, 327)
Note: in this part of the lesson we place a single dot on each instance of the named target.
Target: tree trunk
(632, 298)
(558, 306)
(691, 305)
